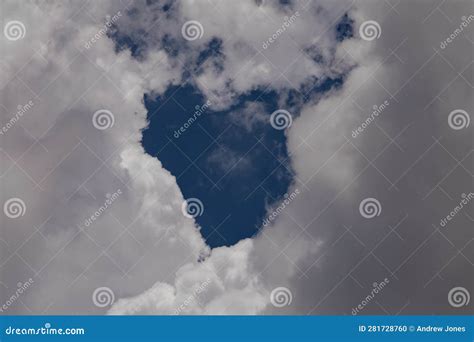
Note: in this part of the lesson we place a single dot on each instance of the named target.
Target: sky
(251, 157)
(236, 172)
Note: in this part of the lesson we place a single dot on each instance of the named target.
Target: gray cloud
(319, 247)
(408, 158)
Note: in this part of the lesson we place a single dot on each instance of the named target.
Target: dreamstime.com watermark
(192, 30)
(377, 288)
(21, 288)
(274, 214)
(459, 119)
(46, 330)
(197, 113)
(103, 119)
(14, 30)
(103, 296)
(109, 22)
(14, 208)
(458, 297)
(193, 297)
(465, 200)
(370, 30)
(377, 110)
(281, 119)
(370, 207)
(465, 21)
(21, 110)
(192, 207)
(281, 296)
(111, 198)
(288, 21)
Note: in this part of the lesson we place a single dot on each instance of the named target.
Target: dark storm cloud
(408, 157)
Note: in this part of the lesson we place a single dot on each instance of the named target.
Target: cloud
(222, 284)
(242, 28)
(404, 158)
(320, 248)
(63, 167)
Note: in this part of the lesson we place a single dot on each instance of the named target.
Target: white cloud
(222, 284)
(65, 166)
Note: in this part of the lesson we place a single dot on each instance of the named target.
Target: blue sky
(231, 169)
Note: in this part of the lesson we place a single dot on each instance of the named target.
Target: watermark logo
(288, 21)
(459, 119)
(21, 110)
(109, 22)
(111, 198)
(377, 288)
(370, 207)
(459, 296)
(192, 207)
(465, 200)
(370, 30)
(103, 296)
(377, 110)
(103, 119)
(46, 330)
(14, 207)
(465, 21)
(14, 30)
(274, 214)
(194, 297)
(192, 30)
(199, 110)
(281, 296)
(21, 288)
(281, 119)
